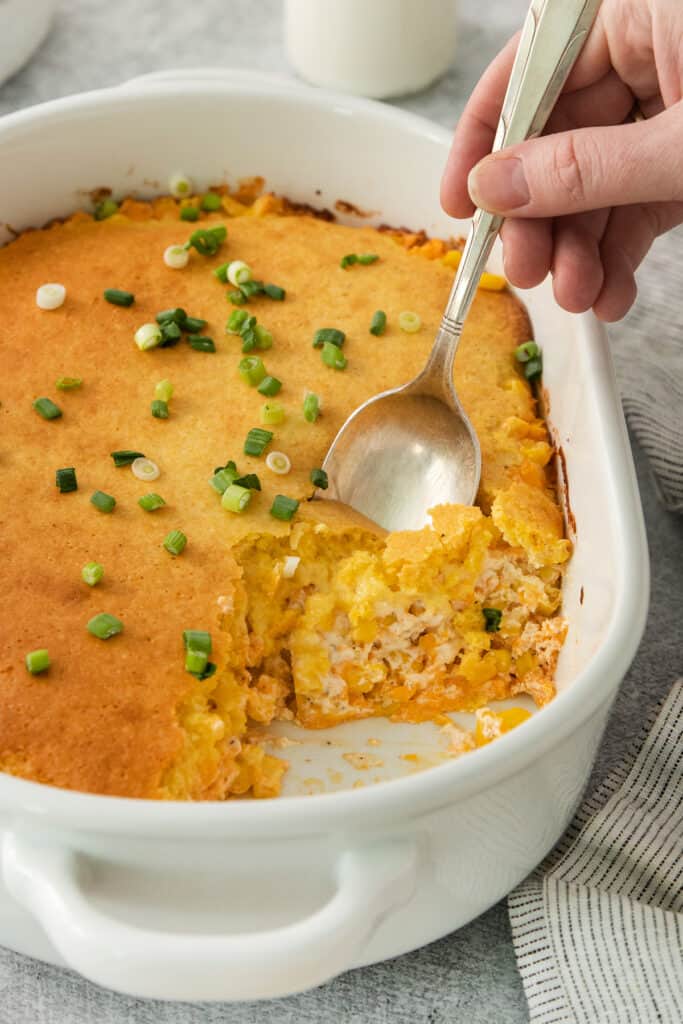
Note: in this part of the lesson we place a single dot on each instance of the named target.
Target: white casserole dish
(256, 899)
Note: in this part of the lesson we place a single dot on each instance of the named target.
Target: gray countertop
(471, 975)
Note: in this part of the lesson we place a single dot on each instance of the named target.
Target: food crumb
(363, 761)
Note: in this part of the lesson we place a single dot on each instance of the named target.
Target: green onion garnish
(409, 322)
(348, 261)
(207, 673)
(46, 408)
(207, 241)
(222, 272)
(311, 407)
(195, 661)
(363, 258)
(194, 324)
(118, 297)
(333, 356)
(264, 339)
(222, 478)
(159, 409)
(148, 336)
(151, 502)
(201, 344)
(105, 208)
(269, 386)
(236, 298)
(274, 291)
(211, 202)
(319, 479)
(236, 321)
(257, 440)
(103, 502)
(104, 626)
(177, 315)
(328, 336)
(272, 414)
(239, 273)
(378, 323)
(492, 617)
(251, 288)
(197, 640)
(163, 390)
(69, 383)
(189, 212)
(236, 498)
(529, 350)
(366, 258)
(249, 480)
(283, 507)
(175, 542)
(230, 466)
(92, 573)
(37, 661)
(171, 334)
(252, 370)
(533, 369)
(125, 457)
(65, 479)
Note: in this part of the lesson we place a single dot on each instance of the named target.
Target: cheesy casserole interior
(317, 620)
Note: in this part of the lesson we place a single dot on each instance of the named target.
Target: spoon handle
(552, 37)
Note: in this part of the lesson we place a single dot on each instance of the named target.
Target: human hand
(586, 200)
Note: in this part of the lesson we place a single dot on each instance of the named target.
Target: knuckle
(573, 166)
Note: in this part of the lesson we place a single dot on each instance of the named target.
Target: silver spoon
(411, 448)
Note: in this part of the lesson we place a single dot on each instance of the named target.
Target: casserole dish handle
(47, 878)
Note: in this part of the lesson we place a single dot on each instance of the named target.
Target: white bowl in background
(256, 899)
(23, 26)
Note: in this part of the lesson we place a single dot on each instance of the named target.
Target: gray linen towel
(648, 352)
(598, 927)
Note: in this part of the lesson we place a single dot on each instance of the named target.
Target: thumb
(585, 169)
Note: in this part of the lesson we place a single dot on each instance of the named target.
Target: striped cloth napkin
(598, 927)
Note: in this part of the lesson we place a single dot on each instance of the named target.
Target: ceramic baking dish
(257, 899)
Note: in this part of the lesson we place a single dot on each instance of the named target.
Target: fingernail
(498, 184)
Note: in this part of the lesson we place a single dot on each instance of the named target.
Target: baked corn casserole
(170, 587)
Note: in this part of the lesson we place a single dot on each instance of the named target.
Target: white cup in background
(375, 48)
(23, 26)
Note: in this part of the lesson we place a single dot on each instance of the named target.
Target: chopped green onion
(180, 185)
(207, 673)
(272, 414)
(124, 457)
(177, 315)
(151, 502)
(333, 356)
(311, 407)
(378, 324)
(92, 573)
(492, 617)
(69, 383)
(533, 369)
(197, 640)
(237, 298)
(257, 440)
(65, 479)
(319, 479)
(283, 507)
(175, 542)
(50, 296)
(211, 202)
(148, 336)
(278, 462)
(104, 626)
(171, 334)
(529, 350)
(222, 478)
(236, 321)
(365, 258)
(274, 291)
(409, 322)
(118, 297)
(163, 390)
(252, 370)
(348, 260)
(189, 212)
(207, 241)
(269, 386)
(194, 324)
(195, 661)
(221, 272)
(249, 480)
(239, 273)
(328, 336)
(230, 466)
(159, 409)
(176, 257)
(38, 661)
(106, 208)
(236, 498)
(103, 502)
(250, 287)
(201, 344)
(145, 469)
(47, 408)
(264, 339)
